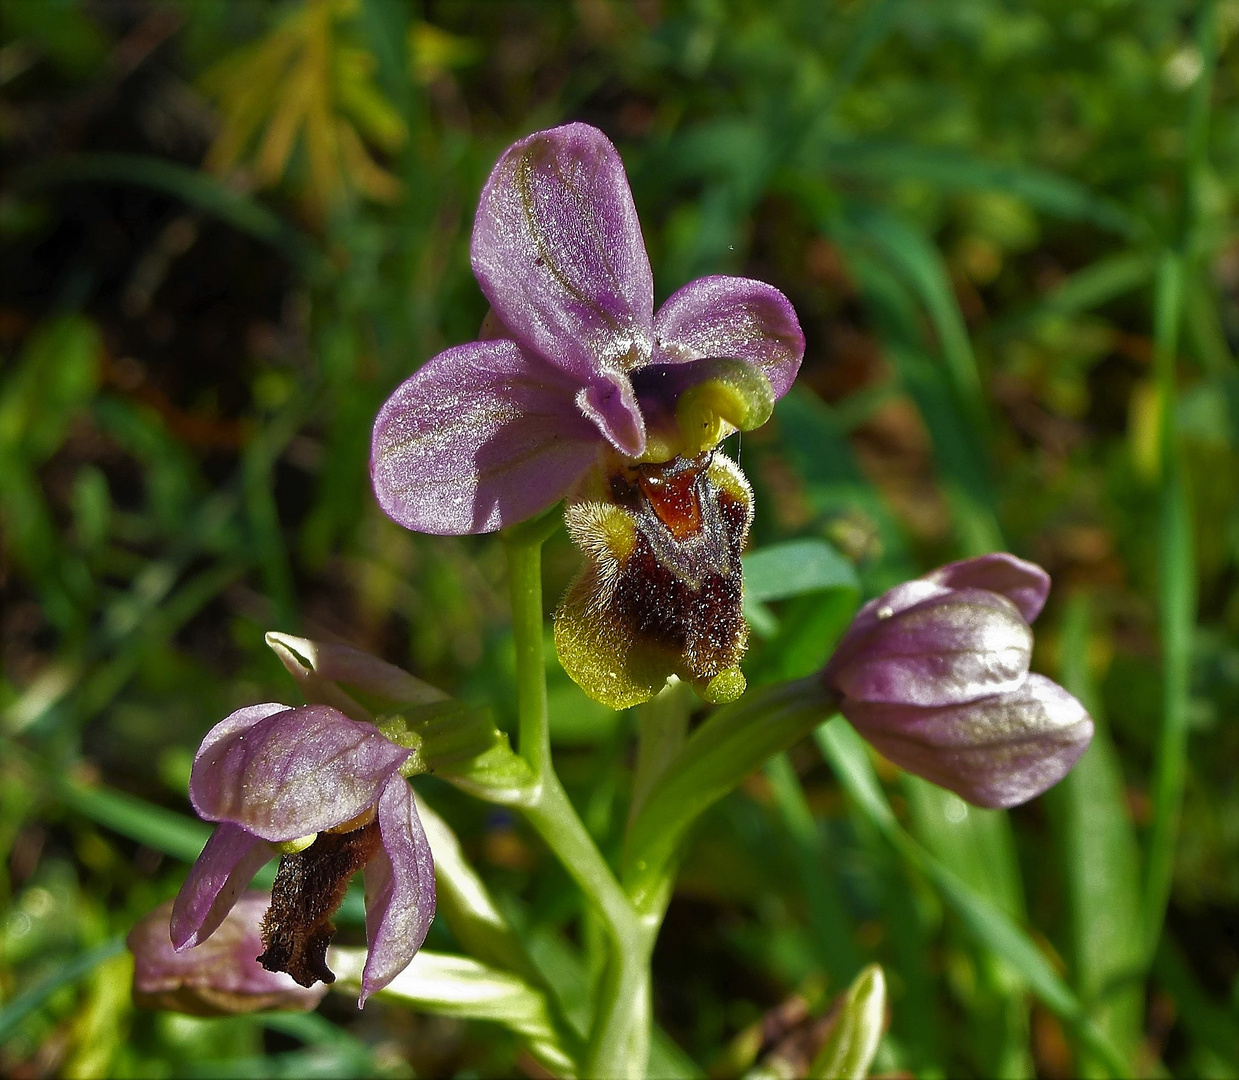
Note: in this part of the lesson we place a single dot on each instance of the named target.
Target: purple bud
(934, 673)
(952, 646)
(996, 751)
(219, 977)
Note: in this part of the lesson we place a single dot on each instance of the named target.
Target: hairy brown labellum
(661, 590)
(309, 889)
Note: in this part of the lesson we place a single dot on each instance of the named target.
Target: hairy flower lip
(491, 433)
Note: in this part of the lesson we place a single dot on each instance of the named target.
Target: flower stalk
(619, 1041)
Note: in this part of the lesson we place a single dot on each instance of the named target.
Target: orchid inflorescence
(576, 391)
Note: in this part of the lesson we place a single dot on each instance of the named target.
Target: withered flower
(324, 792)
(219, 977)
(934, 673)
(579, 389)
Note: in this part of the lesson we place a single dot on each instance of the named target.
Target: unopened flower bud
(220, 976)
(934, 673)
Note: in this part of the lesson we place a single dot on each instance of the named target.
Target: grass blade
(1102, 865)
(1176, 615)
(987, 924)
(828, 914)
(81, 965)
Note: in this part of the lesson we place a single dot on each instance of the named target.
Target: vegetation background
(228, 229)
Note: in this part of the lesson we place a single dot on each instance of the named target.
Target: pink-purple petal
(218, 977)
(238, 722)
(950, 648)
(558, 251)
(731, 317)
(296, 772)
(481, 436)
(995, 752)
(611, 403)
(400, 890)
(227, 864)
(1024, 583)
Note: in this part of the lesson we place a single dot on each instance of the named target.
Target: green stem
(524, 550)
(619, 1041)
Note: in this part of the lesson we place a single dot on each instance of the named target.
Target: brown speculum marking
(309, 889)
(680, 589)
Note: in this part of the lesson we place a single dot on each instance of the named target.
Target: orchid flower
(326, 793)
(578, 388)
(934, 673)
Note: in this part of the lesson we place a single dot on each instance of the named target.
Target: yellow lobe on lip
(736, 396)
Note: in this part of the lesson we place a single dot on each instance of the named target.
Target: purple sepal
(731, 317)
(229, 861)
(996, 752)
(292, 772)
(481, 436)
(1024, 583)
(400, 890)
(955, 645)
(217, 978)
(557, 249)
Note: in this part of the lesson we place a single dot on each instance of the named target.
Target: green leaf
(853, 1041)
(1090, 287)
(1176, 606)
(460, 987)
(986, 924)
(796, 567)
(163, 830)
(466, 903)
(733, 742)
(915, 258)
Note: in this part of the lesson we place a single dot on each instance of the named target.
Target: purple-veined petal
(218, 977)
(400, 890)
(1024, 583)
(240, 721)
(481, 436)
(557, 249)
(953, 647)
(731, 317)
(226, 866)
(996, 752)
(297, 772)
(611, 403)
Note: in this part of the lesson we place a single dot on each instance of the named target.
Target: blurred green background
(229, 229)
